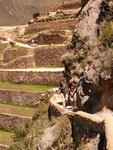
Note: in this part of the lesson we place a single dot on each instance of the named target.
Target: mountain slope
(18, 12)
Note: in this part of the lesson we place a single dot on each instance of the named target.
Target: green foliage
(16, 48)
(106, 37)
(83, 63)
(27, 87)
(19, 135)
(15, 147)
(40, 111)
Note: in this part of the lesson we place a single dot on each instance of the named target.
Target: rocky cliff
(92, 63)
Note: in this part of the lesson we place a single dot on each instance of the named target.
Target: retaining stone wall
(49, 57)
(69, 24)
(21, 62)
(21, 98)
(83, 128)
(9, 55)
(39, 78)
(10, 123)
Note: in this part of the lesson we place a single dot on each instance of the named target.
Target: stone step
(6, 140)
(14, 117)
(39, 76)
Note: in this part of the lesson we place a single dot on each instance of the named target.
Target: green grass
(16, 110)
(25, 87)
(107, 35)
(6, 138)
(16, 48)
(28, 36)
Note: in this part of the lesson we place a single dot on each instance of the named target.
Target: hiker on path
(62, 90)
(72, 94)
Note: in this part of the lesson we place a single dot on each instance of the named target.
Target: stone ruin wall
(84, 126)
(21, 62)
(54, 25)
(67, 5)
(21, 98)
(49, 57)
(38, 78)
(9, 55)
(12, 122)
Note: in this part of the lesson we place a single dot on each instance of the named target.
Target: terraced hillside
(16, 12)
(17, 105)
(27, 72)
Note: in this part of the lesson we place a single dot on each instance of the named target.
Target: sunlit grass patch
(25, 87)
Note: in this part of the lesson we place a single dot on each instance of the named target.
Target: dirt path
(36, 70)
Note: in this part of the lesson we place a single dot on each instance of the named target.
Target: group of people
(33, 41)
(68, 93)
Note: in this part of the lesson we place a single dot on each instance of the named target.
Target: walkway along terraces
(100, 123)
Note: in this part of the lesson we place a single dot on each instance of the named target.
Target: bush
(106, 37)
(19, 135)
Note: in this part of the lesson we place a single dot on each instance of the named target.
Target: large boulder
(50, 136)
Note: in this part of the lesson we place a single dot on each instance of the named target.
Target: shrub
(106, 37)
(19, 135)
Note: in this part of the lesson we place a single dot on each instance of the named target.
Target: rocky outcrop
(50, 136)
(87, 27)
(95, 85)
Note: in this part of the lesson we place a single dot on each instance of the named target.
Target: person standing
(62, 90)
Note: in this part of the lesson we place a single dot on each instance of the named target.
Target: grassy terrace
(16, 110)
(26, 87)
(16, 47)
(6, 138)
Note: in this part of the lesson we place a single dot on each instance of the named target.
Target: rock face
(96, 83)
(50, 136)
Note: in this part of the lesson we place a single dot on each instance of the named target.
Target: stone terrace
(39, 76)
(14, 117)
(49, 56)
(67, 24)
